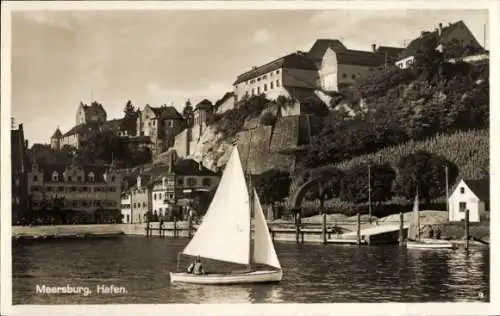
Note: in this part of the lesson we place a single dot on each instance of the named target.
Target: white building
(126, 209)
(472, 195)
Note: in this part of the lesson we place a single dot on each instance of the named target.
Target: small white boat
(415, 241)
(225, 234)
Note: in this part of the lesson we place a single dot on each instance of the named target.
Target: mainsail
(224, 234)
(263, 251)
(414, 229)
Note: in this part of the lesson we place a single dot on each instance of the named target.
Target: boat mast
(418, 215)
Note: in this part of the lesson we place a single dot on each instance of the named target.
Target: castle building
(186, 140)
(161, 124)
(445, 36)
(92, 113)
(75, 193)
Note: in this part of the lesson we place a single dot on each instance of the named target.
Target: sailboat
(225, 234)
(414, 238)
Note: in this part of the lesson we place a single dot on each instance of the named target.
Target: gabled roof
(226, 96)
(113, 124)
(191, 167)
(481, 188)
(93, 108)
(294, 61)
(360, 58)
(98, 171)
(82, 129)
(308, 99)
(57, 134)
(319, 48)
(203, 105)
(418, 42)
(166, 113)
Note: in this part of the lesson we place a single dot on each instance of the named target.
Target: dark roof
(18, 151)
(481, 188)
(321, 45)
(93, 108)
(113, 124)
(57, 134)
(351, 56)
(294, 60)
(309, 101)
(418, 42)
(82, 129)
(203, 105)
(359, 57)
(191, 167)
(166, 112)
(98, 171)
(392, 52)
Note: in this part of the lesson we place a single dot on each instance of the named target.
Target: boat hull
(434, 244)
(230, 278)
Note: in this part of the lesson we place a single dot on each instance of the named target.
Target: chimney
(200, 166)
(440, 31)
(374, 47)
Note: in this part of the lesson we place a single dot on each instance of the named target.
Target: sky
(60, 58)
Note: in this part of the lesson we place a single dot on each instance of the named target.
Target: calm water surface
(312, 274)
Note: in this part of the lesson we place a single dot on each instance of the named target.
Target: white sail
(263, 251)
(224, 233)
(413, 230)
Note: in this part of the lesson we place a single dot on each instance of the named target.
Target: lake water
(312, 274)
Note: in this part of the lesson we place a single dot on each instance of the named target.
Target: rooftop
(294, 61)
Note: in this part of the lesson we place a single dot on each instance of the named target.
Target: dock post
(467, 235)
(175, 227)
(358, 229)
(148, 229)
(190, 224)
(297, 225)
(401, 228)
(324, 228)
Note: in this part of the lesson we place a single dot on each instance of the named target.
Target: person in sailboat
(196, 267)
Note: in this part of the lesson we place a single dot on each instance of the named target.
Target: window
(258, 90)
(113, 178)
(271, 85)
(60, 189)
(85, 189)
(75, 203)
(154, 196)
(179, 181)
(462, 206)
(277, 71)
(353, 76)
(253, 91)
(55, 176)
(462, 190)
(69, 178)
(264, 77)
(73, 189)
(143, 204)
(135, 205)
(49, 189)
(344, 76)
(191, 181)
(206, 182)
(34, 189)
(265, 86)
(91, 177)
(154, 123)
(277, 83)
(35, 177)
(79, 179)
(171, 196)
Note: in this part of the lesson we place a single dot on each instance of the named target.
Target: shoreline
(63, 232)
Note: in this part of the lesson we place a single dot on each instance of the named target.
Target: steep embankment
(469, 151)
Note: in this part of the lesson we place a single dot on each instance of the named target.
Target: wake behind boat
(225, 234)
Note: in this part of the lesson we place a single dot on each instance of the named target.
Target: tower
(55, 140)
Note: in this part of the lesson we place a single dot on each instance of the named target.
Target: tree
(425, 171)
(355, 184)
(130, 118)
(272, 186)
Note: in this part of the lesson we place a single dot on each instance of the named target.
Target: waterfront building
(227, 102)
(126, 208)
(75, 193)
(445, 36)
(20, 165)
(180, 184)
(472, 195)
(140, 199)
